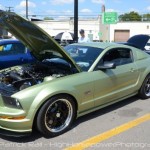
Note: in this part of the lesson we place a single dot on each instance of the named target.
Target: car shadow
(105, 110)
(36, 135)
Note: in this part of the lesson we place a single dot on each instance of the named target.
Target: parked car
(65, 84)
(13, 52)
(139, 41)
(147, 47)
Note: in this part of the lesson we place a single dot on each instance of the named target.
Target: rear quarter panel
(142, 60)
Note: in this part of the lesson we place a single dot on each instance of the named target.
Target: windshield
(84, 56)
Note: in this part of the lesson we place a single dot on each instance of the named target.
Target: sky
(65, 8)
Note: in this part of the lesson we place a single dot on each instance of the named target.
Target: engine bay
(18, 78)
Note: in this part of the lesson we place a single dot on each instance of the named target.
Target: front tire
(144, 92)
(56, 115)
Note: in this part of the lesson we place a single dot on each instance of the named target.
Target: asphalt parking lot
(124, 125)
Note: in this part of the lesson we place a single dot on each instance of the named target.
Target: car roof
(6, 41)
(101, 45)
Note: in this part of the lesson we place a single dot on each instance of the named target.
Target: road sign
(109, 18)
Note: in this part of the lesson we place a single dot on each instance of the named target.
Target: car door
(113, 84)
(12, 54)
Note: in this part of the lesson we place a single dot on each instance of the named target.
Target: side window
(12, 49)
(119, 56)
(5, 47)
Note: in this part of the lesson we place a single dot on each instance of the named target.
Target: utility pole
(26, 9)
(75, 20)
(9, 9)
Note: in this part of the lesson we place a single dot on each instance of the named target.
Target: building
(123, 30)
(53, 27)
(97, 31)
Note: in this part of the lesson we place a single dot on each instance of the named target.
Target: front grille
(7, 90)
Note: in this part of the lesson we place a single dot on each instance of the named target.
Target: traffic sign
(109, 18)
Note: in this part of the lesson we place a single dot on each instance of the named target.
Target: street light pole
(26, 9)
(75, 20)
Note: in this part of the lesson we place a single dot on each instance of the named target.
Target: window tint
(119, 56)
(11, 49)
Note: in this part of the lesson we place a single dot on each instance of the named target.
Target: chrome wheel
(147, 87)
(144, 91)
(58, 115)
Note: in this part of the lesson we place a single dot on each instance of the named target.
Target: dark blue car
(13, 52)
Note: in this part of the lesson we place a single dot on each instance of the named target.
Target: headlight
(11, 102)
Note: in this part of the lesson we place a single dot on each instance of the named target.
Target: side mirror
(108, 65)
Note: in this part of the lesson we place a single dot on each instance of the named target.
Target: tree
(146, 17)
(48, 18)
(132, 16)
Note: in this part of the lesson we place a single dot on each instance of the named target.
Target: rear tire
(56, 115)
(144, 92)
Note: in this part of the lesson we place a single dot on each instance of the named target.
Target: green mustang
(65, 84)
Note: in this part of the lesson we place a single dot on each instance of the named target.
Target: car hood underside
(31, 35)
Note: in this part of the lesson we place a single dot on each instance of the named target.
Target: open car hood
(138, 41)
(32, 36)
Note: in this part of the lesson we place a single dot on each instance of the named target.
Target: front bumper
(14, 122)
(12, 127)
(6, 132)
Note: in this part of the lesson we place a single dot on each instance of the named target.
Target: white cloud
(98, 1)
(2, 7)
(148, 8)
(59, 2)
(23, 4)
(86, 10)
(133, 9)
(56, 2)
(68, 11)
(110, 10)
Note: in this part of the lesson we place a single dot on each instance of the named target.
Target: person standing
(83, 38)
